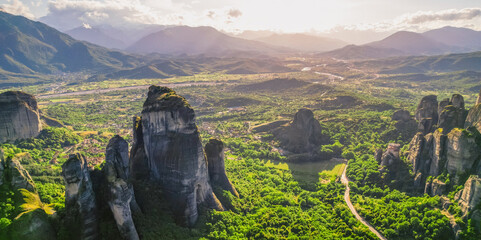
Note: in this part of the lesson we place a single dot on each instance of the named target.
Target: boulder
(80, 202)
(427, 114)
(214, 151)
(462, 151)
(470, 196)
(174, 153)
(19, 116)
(302, 135)
(121, 198)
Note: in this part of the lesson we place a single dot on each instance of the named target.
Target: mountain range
(29, 47)
(198, 40)
(403, 43)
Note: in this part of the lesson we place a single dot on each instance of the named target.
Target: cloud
(17, 8)
(210, 14)
(444, 15)
(65, 14)
(234, 13)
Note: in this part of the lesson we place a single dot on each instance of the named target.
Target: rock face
(474, 117)
(121, 198)
(19, 116)
(427, 114)
(470, 196)
(80, 198)
(462, 152)
(20, 178)
(303, 134)
(174, 153)
(435, 188)
(391, 156)
(139, 164)
(214, 151)
(452, 115)
(2, 168)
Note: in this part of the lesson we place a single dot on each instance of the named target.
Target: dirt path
(347, 199)
(105, 90)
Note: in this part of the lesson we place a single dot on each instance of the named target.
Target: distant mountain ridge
(303, 42)
(30, 47)
(403, 43)
(199, 40)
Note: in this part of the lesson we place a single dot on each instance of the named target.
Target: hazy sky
(234, 15)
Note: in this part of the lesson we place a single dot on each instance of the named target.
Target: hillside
(439, 63)
(303, 42)
(28, 47)
(362, 52)
(412, 43)
(189, 66)
(198, 40)
(465, 38)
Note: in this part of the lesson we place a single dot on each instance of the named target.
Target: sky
(315, 16)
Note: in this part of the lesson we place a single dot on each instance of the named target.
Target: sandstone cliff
(427, 114)
(302, 135)
(470, 196)
(19, 116)
(80, 201)
(174, 153)
(214, 151)
(449, 148)
(121, 198)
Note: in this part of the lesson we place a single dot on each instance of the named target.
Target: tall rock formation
(452, 115)
(470, 196)
(121, 198)
(174, 153)
(427, 114)
(474, 116)
(449, 148)
(214, 151)
(303, 134)
(19, 116)
(80, 198)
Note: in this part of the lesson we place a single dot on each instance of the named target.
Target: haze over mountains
(403, 43)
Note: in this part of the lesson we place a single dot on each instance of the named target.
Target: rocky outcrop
(453, 115)
(474, 116)
(214, 151)
(121, 198)
(80, 198)
(174, 153)
(405, 124)
(435, 187)
(470, 196)
(462, 151)
(33, 225)
(19, 116)
(448, 148)
(391, 156)
(302, 135)
(139, 164)
(427, 114)
(19, 177)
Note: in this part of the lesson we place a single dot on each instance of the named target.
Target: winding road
(347, 199)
